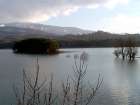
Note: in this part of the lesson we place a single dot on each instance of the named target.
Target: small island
(36, 46)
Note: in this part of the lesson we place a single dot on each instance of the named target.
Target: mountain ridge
(57, 30)
(9, 33)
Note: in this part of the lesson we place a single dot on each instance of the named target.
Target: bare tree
(66, 92)
(131, 49)
(35, 92)
(75, 92)
(120, 49)
(126, 49)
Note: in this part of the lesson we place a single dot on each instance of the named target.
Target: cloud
(112, 3)
(123, 24)
(42, 10)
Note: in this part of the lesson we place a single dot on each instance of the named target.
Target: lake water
(121, 80)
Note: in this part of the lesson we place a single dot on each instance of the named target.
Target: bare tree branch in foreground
(35, 92)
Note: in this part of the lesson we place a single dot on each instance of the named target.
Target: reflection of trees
(126, 49)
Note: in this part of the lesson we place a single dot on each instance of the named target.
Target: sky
(116, 16)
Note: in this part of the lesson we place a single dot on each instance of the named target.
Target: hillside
(13, 32)
(57, 30)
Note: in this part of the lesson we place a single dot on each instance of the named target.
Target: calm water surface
(121, 84)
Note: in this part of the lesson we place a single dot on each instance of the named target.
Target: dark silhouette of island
(36, 46)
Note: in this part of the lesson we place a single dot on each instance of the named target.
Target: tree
(126, 49)
(131, 49)
(35, 92)
(53, 46)
(36, 46)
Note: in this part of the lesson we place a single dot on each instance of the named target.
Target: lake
(121, 79)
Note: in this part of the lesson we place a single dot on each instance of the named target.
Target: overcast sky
(119, 16)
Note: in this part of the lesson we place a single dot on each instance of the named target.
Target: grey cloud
(40, 10)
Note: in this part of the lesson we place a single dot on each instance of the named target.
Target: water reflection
(128, 68)
(121, 62)
(125, 83)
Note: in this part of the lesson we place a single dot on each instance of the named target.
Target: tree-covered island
(36, 46)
